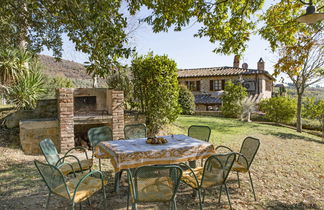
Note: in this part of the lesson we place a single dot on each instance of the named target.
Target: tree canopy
(98, 27)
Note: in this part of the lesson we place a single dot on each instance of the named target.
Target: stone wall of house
(34, 131)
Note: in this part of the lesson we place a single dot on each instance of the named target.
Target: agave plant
(248, 106)
(27, 89)
(12, 63)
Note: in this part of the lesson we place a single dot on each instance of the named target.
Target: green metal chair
(135, 131)
(245, 157)
(154, 184)
(200, 132)
(97, 135)
(76, 190)
(214, 173)
(52, 157)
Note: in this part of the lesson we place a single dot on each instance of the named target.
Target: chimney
(236, 63)
(245, 66)
(261, 65)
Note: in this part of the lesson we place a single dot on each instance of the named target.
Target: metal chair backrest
(49, 151)
(156, 183)
(51, 175)
(135, 131)
(217, 168)
(249, 148)
(99, 134)
(199, 132)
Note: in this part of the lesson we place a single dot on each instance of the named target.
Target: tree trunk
(299, 112)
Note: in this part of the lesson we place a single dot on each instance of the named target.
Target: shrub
(53, 83)
(315, 110)
(233, 95)
(156, 89)
(279, 109)
(186, 100)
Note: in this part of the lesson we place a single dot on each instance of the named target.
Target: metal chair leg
(89, 202)
(73, 205)
(128, 197)
(80, 204)
(117, 180)
(228, 197)
(203, 196)
(48, 200)
(174, 205)
(220, 193)
(252, 186)
(199, 195)
(238, 179)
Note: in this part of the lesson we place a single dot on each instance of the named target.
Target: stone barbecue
(78, 109)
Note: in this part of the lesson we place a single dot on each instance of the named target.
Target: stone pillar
(117, 98)
(65, 115)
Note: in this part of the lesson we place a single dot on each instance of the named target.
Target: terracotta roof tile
(218, 71)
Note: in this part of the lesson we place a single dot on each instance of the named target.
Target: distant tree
(315, 110)
(303, 62)
(186, 100)
(156, 89)
(279, 109)
(52, 83)
(233, 95)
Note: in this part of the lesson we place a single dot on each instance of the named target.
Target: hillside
(63, 68)
(69, 69)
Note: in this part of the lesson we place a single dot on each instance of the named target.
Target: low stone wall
(209, 113)
(44, 109)
(34, 131)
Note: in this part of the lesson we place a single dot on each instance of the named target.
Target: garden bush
(279, 109)
(186, 100)
(156, 90)
(233, 95)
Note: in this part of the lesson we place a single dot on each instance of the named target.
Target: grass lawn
(288, 171)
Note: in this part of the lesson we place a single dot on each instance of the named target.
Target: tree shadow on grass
(21, 187)
(294, 136)
(295, 206)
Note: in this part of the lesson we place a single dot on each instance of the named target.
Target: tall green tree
(156, 89)
(96, 28)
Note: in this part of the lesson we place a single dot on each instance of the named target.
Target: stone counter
(34, 131)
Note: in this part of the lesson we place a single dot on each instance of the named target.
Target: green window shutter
(198, 85)
(223, 84)
(211, 85)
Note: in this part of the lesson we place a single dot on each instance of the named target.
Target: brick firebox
(106, 108)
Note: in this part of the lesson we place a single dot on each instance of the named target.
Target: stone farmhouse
(207, 84)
